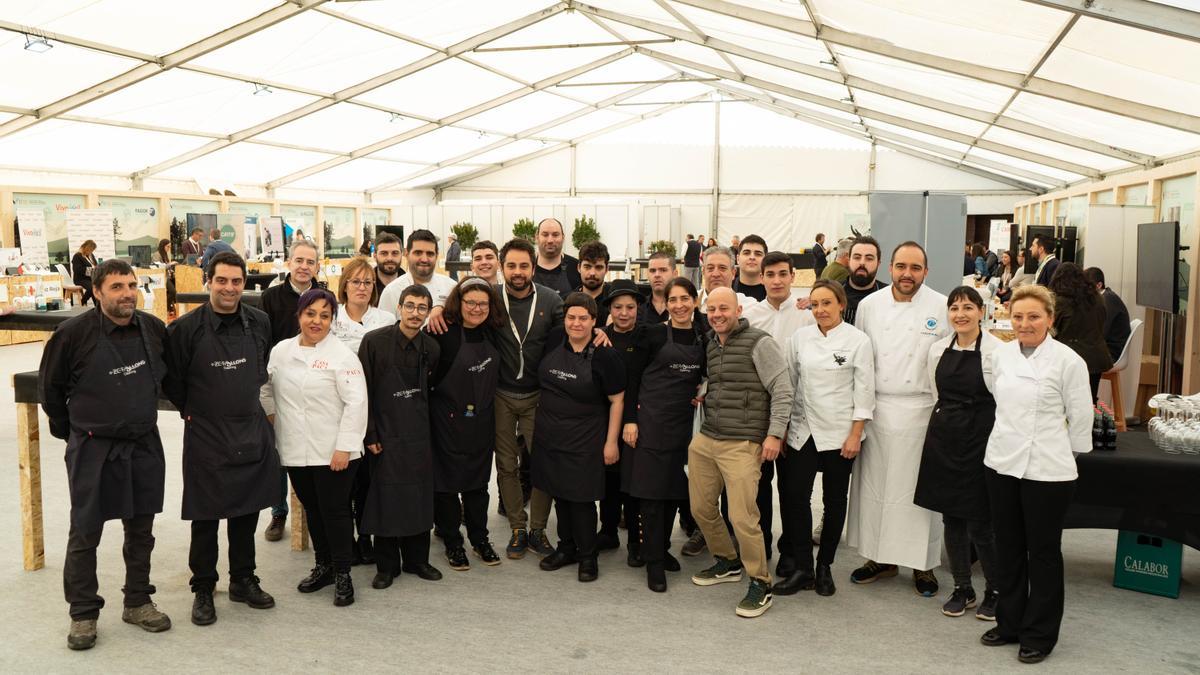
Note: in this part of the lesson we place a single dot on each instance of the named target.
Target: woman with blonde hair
(357, 296)
(83, 265)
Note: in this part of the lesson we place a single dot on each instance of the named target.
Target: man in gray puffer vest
(746, 411)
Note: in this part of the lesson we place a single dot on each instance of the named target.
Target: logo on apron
(228, 365)
(684, 368)
(563, 375)
(126, 371)
(481, 366)
(406, 393)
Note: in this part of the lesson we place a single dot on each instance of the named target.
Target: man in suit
(192, 245)
(819, 255)
(691, 260)
(1116, 315)
(1042, 249)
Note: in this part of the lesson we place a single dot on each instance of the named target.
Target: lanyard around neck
(528, 327)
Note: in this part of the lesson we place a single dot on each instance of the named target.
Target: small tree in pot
(467, 235)
(525, 229)
(584, 231)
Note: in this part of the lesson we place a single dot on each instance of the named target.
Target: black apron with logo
(464, 418)
(230, 464)
(654, 469)
(951, 478)
(570, 428)
(115, 463)
(400, 499)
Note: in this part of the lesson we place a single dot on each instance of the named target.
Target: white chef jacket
(351, 332)
(833, 376)
(318, 396)
(1043, 412)
(901, 333)
(987, 351)
(439, 287)
(781, 323)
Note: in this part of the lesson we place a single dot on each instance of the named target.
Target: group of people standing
(387, 403)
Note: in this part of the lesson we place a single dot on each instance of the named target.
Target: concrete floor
(516, 617)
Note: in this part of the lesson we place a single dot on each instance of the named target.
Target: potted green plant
(663, 245)
(584, 231)
(467, 235)
(525, 229)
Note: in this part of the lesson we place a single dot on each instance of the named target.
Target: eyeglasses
(476, 304)
(361, 283)
(415, 309)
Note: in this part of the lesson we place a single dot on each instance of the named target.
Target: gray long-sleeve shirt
(773, 372)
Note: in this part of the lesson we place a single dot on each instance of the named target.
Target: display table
(31, 320)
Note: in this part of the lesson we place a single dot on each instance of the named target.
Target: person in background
(576, 433)
(164, 258)
(951, 478)
(735, 244)
(555, 270)
(421, 251)
(192, 245)
(115, 464)
(593, 267)
(316, 396)
(357, 312)
(83, 267)
(820, 260)
(864, 265)
(968, 261)
(1005, 274)
(833, 375)
(367, 248)
(749, 268)
(280, 302)
(1042, 250)
(711, 243)
(388, 255)
(979, 253)
(1020, 277)
(746, 411)
(216, 363)
(838, 270)
(691, 259)
(453, 254)
(992, 261)
(660, 269)
(1079, 320)
(1116, 316)
(1043, 419)
(215, 245)
(485, 262)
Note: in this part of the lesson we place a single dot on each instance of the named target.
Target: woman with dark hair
(316, 396)
(164, 257)
(653, 469)
(951, 477)
(576, 429)
(1008, 270)
(1079, 320)
(463, 418)
(83, 265)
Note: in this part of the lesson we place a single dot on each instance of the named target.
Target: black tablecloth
(33, 320)
(1138, 487)
(252, 298)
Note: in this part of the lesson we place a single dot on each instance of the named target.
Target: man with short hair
(819, 257)
(885, 526)
(485, 262)
(1042, 250)
(864, 265)
(421, 252)
(216, 358)
(691, 260)
(718, 273)
(453, 253)
(215, 245)
(749, 259)
(838, 270)
(746, 412)
(593, 266)
(555, 269)
(388, 256)
(660, 269)
(735, 244)
(192, 246)
(100, 378)
(1116, 315)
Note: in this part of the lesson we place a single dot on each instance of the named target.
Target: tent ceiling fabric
(384, 95)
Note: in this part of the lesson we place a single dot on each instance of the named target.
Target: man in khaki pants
(746, 413)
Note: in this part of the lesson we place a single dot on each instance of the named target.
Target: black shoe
(517, 545)
(800, 580)
(1026, 655)
(539, 543)
(607, 542)
(588, 569)
(926, 584)
(785, 567)
(203, 612)
(424, 570)
(487, 554)
(872, 571)
(987, 607)
(961, 599)
(823, 584)
(343, 593)
(634, 557)
(248, 591)
(274, 531)
(457, 557)
(993, 638)
(366, 549)
(656, 578)
(670, 563)
(556, 561)
(320, 577)
(382, 580)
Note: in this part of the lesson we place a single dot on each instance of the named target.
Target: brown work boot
(147, 617)
(275, 529)
(82, 635)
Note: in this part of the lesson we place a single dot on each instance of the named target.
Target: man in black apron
(397, 362)
(101, 376)
(217, 358)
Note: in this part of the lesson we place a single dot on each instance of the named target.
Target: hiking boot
(203, 612)
(517, 545)
(961, 599)
(248, 591)
(694, 545)
(147, 617)
(722, 572)
(274, 531)
(487, 554)
(457, 558)
(926, 584)
(539, 544)
(872, 571)
(757, 600)
(320, 577)
(987, 608)
(343, 593)
(82, 635)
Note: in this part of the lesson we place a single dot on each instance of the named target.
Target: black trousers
(392, 554)
(1027, 518)
(449, 512)
(202, 557)
(658, 518)
(325, 495)
(686, 521)
(576, 528)
(959, 535)
(797, 471)
(766, 508)
(612, 505)
(358, 495)
(1094, 383)
(80, 585)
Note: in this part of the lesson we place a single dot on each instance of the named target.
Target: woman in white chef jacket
(1043, 419)
(833, 373)
(357, 293)
(316, 395)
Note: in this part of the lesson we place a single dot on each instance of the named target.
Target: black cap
(622, 287)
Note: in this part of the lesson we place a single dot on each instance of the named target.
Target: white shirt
(319, 398)
(987, 351)
(834, 380)
(351, 332)
(1043, 412)
(901, 333)
(780, 323)
(439, 287)
(744, 300)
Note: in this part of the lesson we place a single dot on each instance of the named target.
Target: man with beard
(749, 258)
(864, 264)
(660, 269)
(422, 251)
(555, 269)
(485, 262)
(387, 262)
(593, 266)
(885, 525)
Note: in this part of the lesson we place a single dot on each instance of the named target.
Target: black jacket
(691, 254)
(1116, 323)
(280, 302)
(1080, 326)
(562, 279)
(1048, 271)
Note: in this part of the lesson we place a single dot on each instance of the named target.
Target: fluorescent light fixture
(262, 89)
(37, 44)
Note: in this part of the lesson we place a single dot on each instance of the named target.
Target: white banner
(999, 236)
(9, 257)
(33, 236)
(272, 236)
(94, 224)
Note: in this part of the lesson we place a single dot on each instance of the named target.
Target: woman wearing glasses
(358, 296)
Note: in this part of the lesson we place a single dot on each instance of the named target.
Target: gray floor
(516, 617)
